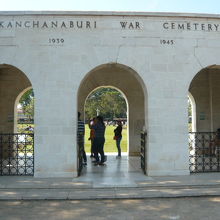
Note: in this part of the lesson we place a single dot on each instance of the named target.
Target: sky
(189, 6)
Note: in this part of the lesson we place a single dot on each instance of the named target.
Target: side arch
(16, 150)
(205, 90)
(12, 82)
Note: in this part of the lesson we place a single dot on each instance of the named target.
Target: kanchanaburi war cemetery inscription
(160, 62)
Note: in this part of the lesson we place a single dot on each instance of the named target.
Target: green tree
(108, 101)
(27, 103)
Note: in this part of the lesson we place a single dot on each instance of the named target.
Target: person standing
(99, 140)
(80, 137)
(118, 137)
(92, 136)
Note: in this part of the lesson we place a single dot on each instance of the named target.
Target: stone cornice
(108, 13)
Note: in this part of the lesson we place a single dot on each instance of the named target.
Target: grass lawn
(21, 127)
(110, 145)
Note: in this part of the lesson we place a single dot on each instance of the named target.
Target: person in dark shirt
(118, 137)
(99, 140)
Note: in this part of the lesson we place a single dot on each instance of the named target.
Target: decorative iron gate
(80, 158)
(143, 151)
(17, 154)
(203, 155)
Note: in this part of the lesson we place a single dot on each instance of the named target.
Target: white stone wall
(56, 70)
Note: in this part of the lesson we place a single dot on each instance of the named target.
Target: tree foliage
(108, 102)
(27, 103)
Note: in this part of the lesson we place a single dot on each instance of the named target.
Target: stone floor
(124, 172)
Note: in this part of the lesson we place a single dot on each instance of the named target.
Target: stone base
(168, 173)
(134, 154)
(55, 175)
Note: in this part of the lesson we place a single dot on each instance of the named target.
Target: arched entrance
(130, 84)
(16, 149)
(112, 105)
(205, 92)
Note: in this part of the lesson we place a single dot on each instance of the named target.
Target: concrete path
(199, 208)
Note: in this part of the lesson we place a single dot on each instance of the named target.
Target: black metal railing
(203, 152)
(17, 154)
(80, 149)
(143, 151)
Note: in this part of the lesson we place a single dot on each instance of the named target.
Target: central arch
(126, 80)
(110, 119)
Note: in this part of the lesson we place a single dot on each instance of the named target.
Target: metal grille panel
(203, 155)
(17, 154)
(143, 151)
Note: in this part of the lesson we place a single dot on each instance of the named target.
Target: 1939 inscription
(56, 40)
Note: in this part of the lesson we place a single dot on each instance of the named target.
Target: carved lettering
(130, 25)
(36, 24)
(195, 25)
(123, 24)
(209, 27)
(88, 24)
(54, 24)
(50, 24)
(44, 25)
(137, 25)
(190, 26)
(79, 24)
(9, 25)
(165, 25)
(181, 26)
(71, 24)
(27, 24)
(216, 26)
(63, 25)
(18, 24)
(1, 24)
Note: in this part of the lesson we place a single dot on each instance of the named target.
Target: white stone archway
(129, 83)
(13, 82)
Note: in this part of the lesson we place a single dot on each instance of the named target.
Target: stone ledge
(91, 194)
(108, 13)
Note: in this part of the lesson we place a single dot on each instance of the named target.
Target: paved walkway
(191, 208)
(118, 179)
